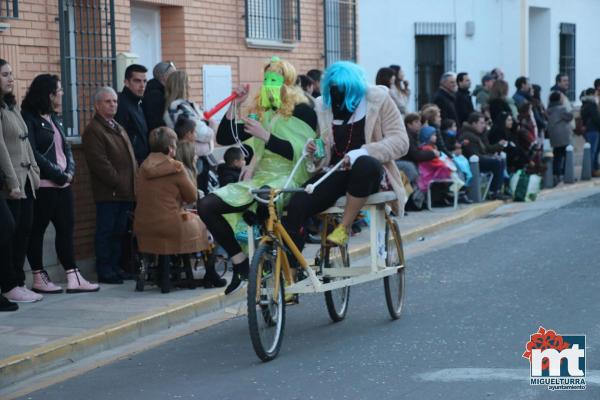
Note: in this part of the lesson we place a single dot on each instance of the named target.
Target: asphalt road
(470, 308)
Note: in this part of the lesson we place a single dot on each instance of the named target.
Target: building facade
(534, 38)
(88, 43)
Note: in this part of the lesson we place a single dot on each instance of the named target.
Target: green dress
(271, 169)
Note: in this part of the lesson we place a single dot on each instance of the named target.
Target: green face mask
(270, 92)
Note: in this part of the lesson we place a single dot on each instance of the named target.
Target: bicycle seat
(377, 198)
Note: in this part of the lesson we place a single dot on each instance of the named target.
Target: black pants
(7, 222)
(558, 162)
(362, 180)
(202, 178)
(52, 205)
(496, 167)
(211, 209)
(12, 254)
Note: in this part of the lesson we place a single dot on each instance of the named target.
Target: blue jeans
(496, 167)
(410, 170)
(111, 227)
(593, 138)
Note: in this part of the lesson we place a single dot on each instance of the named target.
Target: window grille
(9, 9)
(567, 56)
(340, 30)
(88, 57)
(273, 20)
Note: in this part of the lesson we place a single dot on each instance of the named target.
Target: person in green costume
(273, 144)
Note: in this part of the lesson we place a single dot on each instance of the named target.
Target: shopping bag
(525, 187)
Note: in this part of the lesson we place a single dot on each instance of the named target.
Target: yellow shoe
(292, 299)
(339, 236)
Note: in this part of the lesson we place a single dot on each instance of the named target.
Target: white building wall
(501, 36)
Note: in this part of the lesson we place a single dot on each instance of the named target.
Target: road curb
(72, 349)
(464, 215)
(69, 350)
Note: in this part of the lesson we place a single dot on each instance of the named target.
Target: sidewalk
(65, 328)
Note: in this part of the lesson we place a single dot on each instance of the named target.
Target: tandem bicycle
(272, 280)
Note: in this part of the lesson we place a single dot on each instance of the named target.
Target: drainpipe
(524, 37)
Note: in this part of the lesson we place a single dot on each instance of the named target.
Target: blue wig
(350, 80)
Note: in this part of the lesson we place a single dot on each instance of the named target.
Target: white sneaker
(36, 296)
(18, 295)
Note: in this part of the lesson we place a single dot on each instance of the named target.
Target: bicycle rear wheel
(266, 312)
(337, 299)
(394, 284)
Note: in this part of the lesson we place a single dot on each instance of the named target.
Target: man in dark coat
(112, 167)
(523, 92)
(129, 112)
(464, 102)
(561, 83)
(445, 97)
(154, 96)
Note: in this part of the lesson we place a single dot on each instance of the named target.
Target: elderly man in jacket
(445, 97)
(112, 167)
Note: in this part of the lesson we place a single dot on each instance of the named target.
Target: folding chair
(454, 191)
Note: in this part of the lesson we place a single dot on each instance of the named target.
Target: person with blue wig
(361, 125)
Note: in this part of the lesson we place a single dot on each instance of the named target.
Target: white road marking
(592, 377)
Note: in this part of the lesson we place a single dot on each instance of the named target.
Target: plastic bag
(525, 187)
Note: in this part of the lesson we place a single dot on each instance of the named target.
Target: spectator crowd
(506, 133)
(149, 152)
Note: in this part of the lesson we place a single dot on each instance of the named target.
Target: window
(9, 9)
(567, 56)
(88, 57)
(272, 22)
(340, 30)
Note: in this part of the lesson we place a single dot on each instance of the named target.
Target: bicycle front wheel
(266, 311)
(394, 284)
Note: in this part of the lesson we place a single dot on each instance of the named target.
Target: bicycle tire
(264, 312)
(394, 284)
(337, 299)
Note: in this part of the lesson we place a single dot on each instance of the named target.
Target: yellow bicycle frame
(277, 233)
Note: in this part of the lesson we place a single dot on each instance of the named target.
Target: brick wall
(194, 33)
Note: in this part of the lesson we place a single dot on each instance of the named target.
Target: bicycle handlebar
(308, 189)
(311, 187)
(268, 191)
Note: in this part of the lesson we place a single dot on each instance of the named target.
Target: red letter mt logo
(547, 353)
(544, 340)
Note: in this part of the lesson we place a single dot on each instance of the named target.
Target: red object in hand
(208, 114)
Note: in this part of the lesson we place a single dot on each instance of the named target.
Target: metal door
(430, 64)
